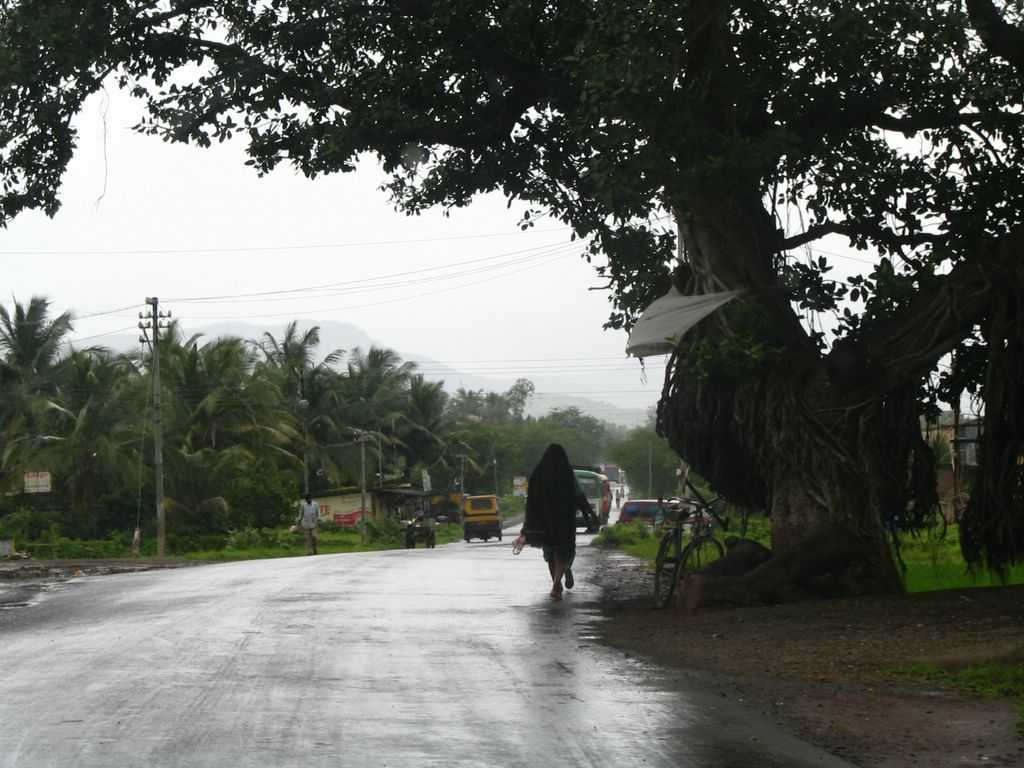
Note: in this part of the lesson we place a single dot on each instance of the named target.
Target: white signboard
(37, 482)
(519, 486)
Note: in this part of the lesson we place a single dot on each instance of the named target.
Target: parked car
(645, 510)
(481, 518)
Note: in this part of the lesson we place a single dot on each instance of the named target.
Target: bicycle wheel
(666, 569)
(701, 552)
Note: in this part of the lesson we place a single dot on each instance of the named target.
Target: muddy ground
(821, 669)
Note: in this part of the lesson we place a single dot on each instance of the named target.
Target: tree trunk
(748, 402)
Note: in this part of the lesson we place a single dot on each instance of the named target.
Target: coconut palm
(94, 426)
(220, 399)
(309, 395)
(30, 342)
(30, 339)
(196, 483)
(294, 354)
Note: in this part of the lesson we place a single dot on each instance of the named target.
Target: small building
(342, 506)
(402, 502)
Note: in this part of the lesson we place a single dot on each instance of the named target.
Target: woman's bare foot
(556, 592)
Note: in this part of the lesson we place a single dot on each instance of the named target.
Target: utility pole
(304, 407)
(361, 438)
(156, 322)
(494, 461)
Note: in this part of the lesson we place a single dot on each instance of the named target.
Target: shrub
(621, 534)
(25, 524)
(245, 538)
(386, 531)
(59, 548)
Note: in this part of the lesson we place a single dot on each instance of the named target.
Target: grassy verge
(932, 563)
(247, 544)
(993, 680)
(282, 543)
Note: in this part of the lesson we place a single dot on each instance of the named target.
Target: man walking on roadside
(309, 517)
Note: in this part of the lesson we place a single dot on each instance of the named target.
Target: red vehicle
(647, 510)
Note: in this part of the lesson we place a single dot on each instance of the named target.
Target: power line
(397, 280)
(406, 298)
(101, 335)
(265, 248)
(75, 318)
(536, 250)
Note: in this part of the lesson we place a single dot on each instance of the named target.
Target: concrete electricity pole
(156, 320)
(361, 438)
(304, 407)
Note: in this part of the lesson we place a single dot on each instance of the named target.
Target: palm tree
(94, 429)
(374, 395)
(423, 429)
(220, 398)
(307, 387)
(293, 354)
(375, 388)
(30, 340)
(195, 500)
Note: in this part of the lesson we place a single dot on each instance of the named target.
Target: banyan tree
(702, 143)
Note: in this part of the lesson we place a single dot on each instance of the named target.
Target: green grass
(330, 542)
(931, 563)
(934, 564)
(992, 680)
(637, 539)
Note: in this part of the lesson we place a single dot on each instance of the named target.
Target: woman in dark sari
(552, 498)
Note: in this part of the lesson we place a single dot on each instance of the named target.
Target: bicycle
(674, 560)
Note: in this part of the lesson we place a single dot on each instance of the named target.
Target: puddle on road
(28, 594)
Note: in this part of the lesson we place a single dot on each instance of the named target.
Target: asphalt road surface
(446, 657)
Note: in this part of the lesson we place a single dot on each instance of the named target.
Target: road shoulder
(822, 670)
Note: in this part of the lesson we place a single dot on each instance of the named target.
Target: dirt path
(820, 667)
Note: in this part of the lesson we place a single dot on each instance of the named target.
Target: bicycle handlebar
(701, 503)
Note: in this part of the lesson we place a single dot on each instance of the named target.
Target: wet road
(445, 657)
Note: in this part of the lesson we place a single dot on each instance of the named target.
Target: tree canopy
(691, 141)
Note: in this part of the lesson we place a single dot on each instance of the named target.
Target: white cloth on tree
(662, 325)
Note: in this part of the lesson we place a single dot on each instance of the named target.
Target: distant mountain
(554, 390)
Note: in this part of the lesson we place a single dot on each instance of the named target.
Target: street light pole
(362, 450)
(304, 406)
(494, 461)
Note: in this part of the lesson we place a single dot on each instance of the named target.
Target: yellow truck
(481, 518)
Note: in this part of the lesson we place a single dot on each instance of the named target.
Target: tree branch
(999, 36)
(942, 313)
(913, 124)
(851, 230)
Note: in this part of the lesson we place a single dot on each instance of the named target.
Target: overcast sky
(141, 217)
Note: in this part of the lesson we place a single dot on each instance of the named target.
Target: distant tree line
(247, 422)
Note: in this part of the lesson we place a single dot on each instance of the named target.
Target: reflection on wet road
(446, 657)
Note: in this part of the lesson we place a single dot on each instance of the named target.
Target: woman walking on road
(552, 498)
